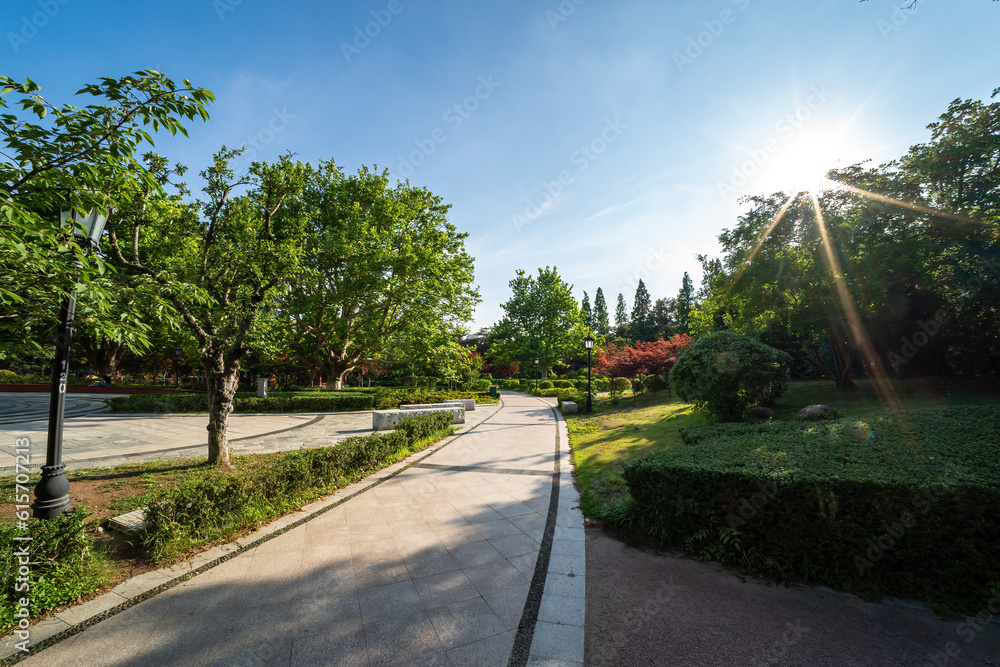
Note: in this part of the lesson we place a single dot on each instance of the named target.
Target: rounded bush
(727, 373)
(545, 384)
(563, 384)
(9, 377)
(619, 385)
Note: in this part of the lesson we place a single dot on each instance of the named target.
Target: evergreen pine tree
(621, 317)
(588, 315)
(685, 299)
(601, 323)
(642, 316)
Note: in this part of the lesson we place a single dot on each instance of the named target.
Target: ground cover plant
(72, 560)
(62, 565)
(874, 502)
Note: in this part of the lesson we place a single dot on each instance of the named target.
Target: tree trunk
(102, 355)
(222, 383)
(335, 372)
(842, 364)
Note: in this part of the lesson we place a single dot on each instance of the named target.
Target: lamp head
(92, 221)
(588, 342)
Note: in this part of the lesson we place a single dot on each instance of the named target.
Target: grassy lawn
(614, 435)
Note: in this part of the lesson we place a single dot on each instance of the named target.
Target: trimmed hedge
(905, 505)
(341, 400)
(170, 403)
(222, 504)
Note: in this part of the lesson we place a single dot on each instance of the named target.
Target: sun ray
(857, 330)
(760, 242)
(913, 207)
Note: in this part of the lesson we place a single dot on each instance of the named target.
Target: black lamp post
(52, 491)
(588, 342)
(538, 372)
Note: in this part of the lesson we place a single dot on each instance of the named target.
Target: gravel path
(646, 608)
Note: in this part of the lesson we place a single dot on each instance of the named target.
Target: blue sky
(609, 139)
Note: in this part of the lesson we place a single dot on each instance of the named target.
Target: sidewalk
(470, 553)
(110, 440)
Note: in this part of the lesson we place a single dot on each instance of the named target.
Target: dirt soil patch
(653, 608)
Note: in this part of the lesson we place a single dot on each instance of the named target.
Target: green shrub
(598, 383)
(901, 505)
(654, 383)
(64, 565)
(339, 401)
(219, 505)
(482, 384)
(563, 384)
(9, 377)
(727, 373)
(545, 384)
(619, 385)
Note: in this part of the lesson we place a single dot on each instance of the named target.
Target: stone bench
(469, 403)
(386, 420)
(569, 407)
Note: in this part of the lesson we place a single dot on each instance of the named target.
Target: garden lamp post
(538, 372)
(588, 342)
(52, 491)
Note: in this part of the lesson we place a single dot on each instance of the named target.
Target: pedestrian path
(20, 407)
(109, 440)
(470, 553)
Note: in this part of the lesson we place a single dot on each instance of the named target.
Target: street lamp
(588, 342)
(538, 372)
(52, 491)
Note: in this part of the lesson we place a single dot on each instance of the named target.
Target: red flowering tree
(646, 358)
(659, 356)
(499, 369)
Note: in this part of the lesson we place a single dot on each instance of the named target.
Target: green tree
(600, 316)
(641, 323)
(621, 318)
(542, 321)
(221, 263)
(585, 310)
(684, 303)
(80, 156)
(663, 318)
(384, 266)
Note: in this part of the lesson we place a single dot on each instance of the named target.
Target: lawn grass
(616, 434)
(641, 425)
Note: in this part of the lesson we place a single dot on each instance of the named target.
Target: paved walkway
(91, 440)
(18, 407)
(471, 554)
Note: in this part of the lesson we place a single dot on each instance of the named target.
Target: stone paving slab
(109, 440)
(414, 565)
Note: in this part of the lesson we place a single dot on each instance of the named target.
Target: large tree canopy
(542, 321)
(383, 267)
(896, 270)
(85, 156)
(220, 263)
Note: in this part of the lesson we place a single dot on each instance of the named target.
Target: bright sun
(801, 162)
